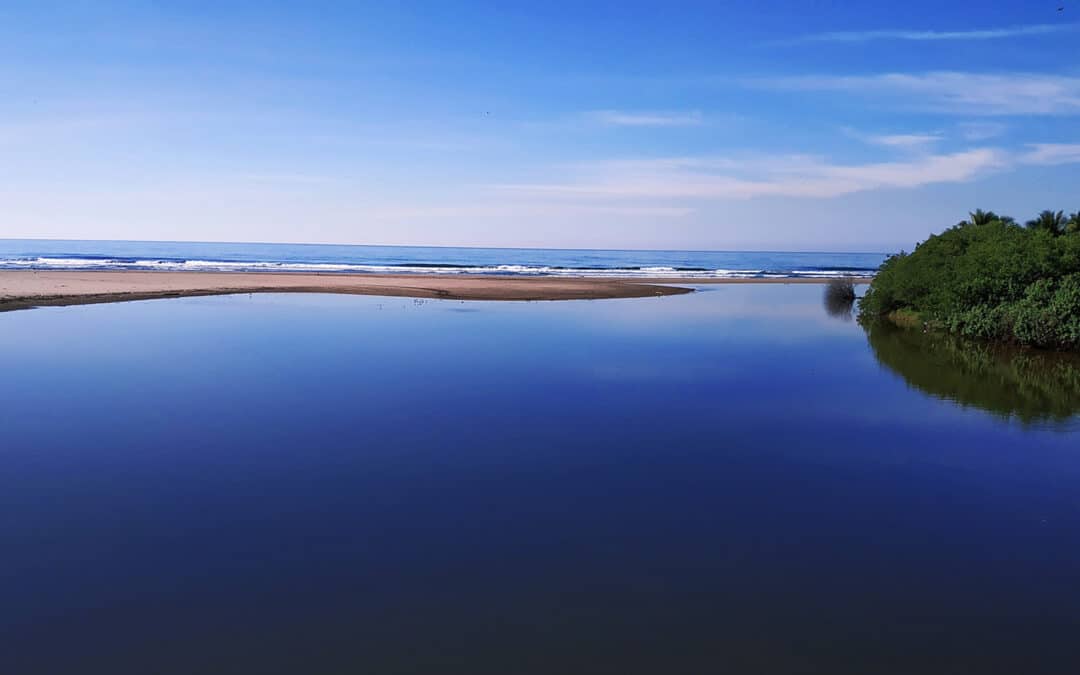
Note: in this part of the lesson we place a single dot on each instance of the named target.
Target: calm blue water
(46, 254)
(727, 481)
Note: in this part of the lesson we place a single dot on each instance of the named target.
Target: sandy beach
(24, 289)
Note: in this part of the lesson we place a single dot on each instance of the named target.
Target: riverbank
(22, 289)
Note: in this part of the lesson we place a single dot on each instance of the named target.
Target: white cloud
(779, 176)
(934, 35)
(898, 141)
(905, 140)
(518, 209)
(1049, 154)
(954, 92)
(620, 118)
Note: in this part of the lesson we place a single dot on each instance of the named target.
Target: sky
(782, 125)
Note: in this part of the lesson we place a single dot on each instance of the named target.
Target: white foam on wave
(829, 273)
(656, 271)
(64, 263)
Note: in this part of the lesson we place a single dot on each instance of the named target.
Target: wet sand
(22, 289)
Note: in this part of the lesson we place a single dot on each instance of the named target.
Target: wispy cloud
(905, 140)
(981, 131)
(897, 141)
(535, 208)
(622, 118)
(953, 92)
(1049, 154)
(779, 176)
(933, 35)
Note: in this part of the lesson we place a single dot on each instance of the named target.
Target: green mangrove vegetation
(988, 278)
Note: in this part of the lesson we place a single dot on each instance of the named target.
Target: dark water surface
(727, 481)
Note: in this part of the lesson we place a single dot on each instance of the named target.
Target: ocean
(322, 258)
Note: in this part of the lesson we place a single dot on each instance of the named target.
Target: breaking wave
(91, 262)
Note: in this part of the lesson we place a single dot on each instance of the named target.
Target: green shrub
(991, 280)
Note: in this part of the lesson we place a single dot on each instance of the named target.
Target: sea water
(142, 255)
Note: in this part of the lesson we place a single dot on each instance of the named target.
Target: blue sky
(774, 125)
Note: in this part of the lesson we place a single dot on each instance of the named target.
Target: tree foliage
(1052, 221)
(991, 280)
(1073, 226)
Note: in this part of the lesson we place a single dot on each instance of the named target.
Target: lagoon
(731, 480)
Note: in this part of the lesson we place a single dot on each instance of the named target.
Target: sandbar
(23, 289)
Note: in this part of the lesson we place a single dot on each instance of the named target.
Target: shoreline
(26, 289)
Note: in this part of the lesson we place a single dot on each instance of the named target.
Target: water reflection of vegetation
(1011, 383)
(839, 299)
